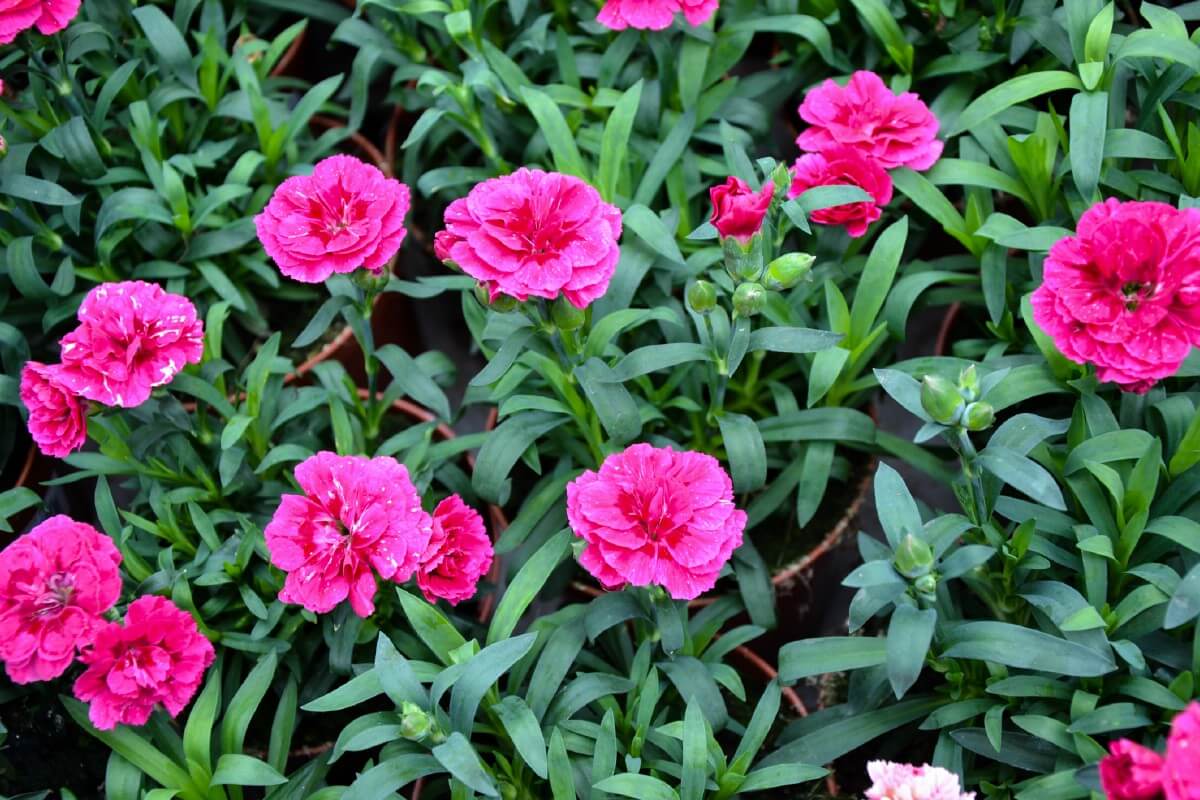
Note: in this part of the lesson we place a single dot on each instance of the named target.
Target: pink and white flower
(891, 781)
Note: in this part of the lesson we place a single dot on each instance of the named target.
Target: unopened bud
(414, 722)
(979, 416)
(926, 585)
(566, 316)
(941, 399)
(702, 297)
(3, 147)
(743, 261)
(749, 299)
(502, 304)
(781, 176)
(914, 557)
(968, 383)
(788, 270)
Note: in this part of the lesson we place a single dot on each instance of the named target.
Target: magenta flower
(356, 514)
(132, 337)
(1131, 772)
(50, 16)
(847, 167)
(895, 130)
(344, 216)
(656, 516)
(1123, 293)
(1181, 770)
(534, 234)
(56, 582)
(157, 656)
(458, 555)
(738, 210)
(892, 781)
(654, 15)
(57, 419)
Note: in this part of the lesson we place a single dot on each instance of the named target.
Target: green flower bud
(788, 270)
(979, 416)
(941, 399)
(3, 147)
(414, 722)
(968, 383)
(502, 304)
(369, 280)
(566, 316)
(914, 557)
(743, 262)
(701, 297)
(781, 176)
(926, 585)
(749, 299)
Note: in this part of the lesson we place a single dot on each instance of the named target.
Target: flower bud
(979, 416)
(788, 270)
(414, 722)
(502, 304)
(749, 299)
(743, 260)
(926, 585)
(738, 210)
(941, 400)
(369, 280)
(566, 316)
(702, 297)
(914, 557)
(3, 147)
(968, 383)
(781, 178)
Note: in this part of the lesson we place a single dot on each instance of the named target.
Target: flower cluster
(57, 582)
(1133, 772)
(855, 134)
(891, 781)
(347, 214)
(656, 516)
(359, 517)
(48, 16)
(131, 338)
(1123, 293)
(654, 15)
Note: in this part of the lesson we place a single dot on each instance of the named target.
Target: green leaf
(234, 769)
(1088, 120)
(359, 689)
(1185, 603)
(1024, 648)
(808, 28)
(461, 761)
(818, 656)
(526, 585)
(522, 728)
(876, 280)
(695, 753)
(615, 141)
(908, 639)
(480, 673)
(168, 43)
(792, 340)
(505, 445)
(898, 512)
(383, 780)
(879, 18)
(779, 775)
(558, 134)
(1011, 92)
(245, 702)
(562, 782)
(641, 787)
(745, 450)
(650, 228)
(417, 384)
(36, 190)
(1023, 474)
(197, 733)
(1095, 43)
(434, 629)
(612, 402)
(654, 357)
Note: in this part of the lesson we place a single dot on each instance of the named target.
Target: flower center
(1135, 292)
(56, 596)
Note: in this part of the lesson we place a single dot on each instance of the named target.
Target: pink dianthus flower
(1131, 772)
(848, 167)
(891, 781)
(654, 15)
(132, 336)
(534, 233)
(656, 516)
(345, 215)
(355, 514)
(1123, 293)
(1181, 769)
(57, 418)
(50, 16)
(895, 130)
(157, 656)
(458, 555)
(738, 210)
(56, 582)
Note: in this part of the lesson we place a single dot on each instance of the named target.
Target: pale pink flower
(895, 130)
(132, 337)
(656, 516)
(50, 16)
(355, 514)
(1123, 293)
(534, 234)
(56, 582)
(1181, 770)
(1131, 772)
(654, 15)
(157, 656)
(891, 781)
(344, 216)
(458, 555)
(844, 166)
(57, 418)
